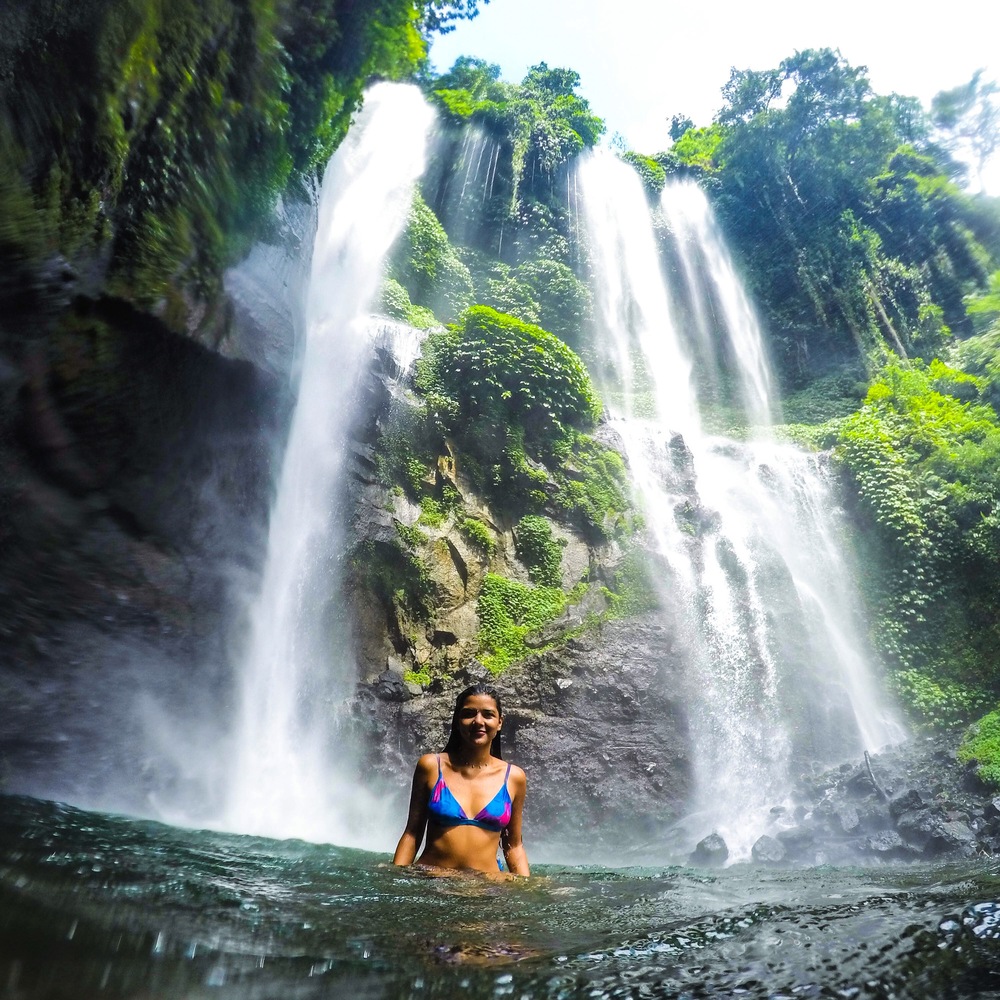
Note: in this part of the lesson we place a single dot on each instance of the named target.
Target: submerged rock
(711, 850)
(768, 851)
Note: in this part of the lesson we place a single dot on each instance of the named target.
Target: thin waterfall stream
(285, 772)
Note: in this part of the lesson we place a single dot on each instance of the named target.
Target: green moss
(421, 677)
(157, 136)
(539, 551)
(432, 512)
(981, 744)
(479, 534)
(508, 613)
(593, 489)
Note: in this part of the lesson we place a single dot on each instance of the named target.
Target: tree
(968, 120)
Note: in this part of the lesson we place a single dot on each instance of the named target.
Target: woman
(469, 770)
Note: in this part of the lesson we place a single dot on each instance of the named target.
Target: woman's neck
(478, 760)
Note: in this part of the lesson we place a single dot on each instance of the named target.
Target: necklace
(477, 767)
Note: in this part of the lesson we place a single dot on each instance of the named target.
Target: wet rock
(768, 851)
(607, 757)
(992, 808)
(918, 827)
(390, 686)
(956, 836)
(797, 841)
(887, 844)
(710, 851)
(905, 802)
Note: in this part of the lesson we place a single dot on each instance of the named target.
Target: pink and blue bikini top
(445, 809)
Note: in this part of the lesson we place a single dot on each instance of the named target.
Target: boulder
(768, 851)
(710, 851)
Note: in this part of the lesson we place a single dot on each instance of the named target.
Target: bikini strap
(506, 776)
(440, 772)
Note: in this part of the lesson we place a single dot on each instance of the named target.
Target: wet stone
(887, 843)
(797, 841)
(905, 802)
(768, 851)
(711, 850)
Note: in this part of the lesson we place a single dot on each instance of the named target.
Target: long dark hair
(454, 740)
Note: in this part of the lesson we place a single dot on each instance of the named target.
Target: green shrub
(426, 266)
(395, 303)
(652, 174)
(981, 744)
(479, 534)
(432, 512)
(593, 489)
(503, 373)
(539, 551)
(508, 613)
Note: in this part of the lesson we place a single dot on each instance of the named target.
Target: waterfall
(755, 579)
(284, 771)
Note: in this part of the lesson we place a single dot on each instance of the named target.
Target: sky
(641, 61)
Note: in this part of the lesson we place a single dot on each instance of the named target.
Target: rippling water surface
(95, 905)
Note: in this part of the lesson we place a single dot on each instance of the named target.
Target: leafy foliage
(480, 535)
(653, 176)
(508, 613)
(539, 551)
(506, 380)
(924, 455)
(535, 129)
(425, 264)
(842, 209)
(982, 744)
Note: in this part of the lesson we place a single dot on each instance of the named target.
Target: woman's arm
(416, 819)
(513, 849)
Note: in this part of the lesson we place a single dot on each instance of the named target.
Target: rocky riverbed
(912, 802)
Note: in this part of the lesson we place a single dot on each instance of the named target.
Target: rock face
(597, 725)
(414, 580)
(134, 496)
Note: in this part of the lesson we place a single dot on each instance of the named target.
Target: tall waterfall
(756, 582)
(298, 662)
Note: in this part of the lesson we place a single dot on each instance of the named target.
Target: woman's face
(479, 720)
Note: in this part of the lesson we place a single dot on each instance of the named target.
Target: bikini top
(445, 809)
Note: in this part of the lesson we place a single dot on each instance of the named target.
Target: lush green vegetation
(844, 210)
(924, 455)
(152, 138)
(510, 612)
(982, 745)
(539, 550)
(518, 402)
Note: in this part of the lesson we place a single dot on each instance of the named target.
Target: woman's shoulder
(517, 775)
(428, 762)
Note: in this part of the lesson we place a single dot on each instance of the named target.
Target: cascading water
(298, 664)
(713, 289)
(755, 581)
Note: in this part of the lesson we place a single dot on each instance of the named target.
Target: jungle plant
(539, 551)
(981, 744)
(508, 613)
(514, 387)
